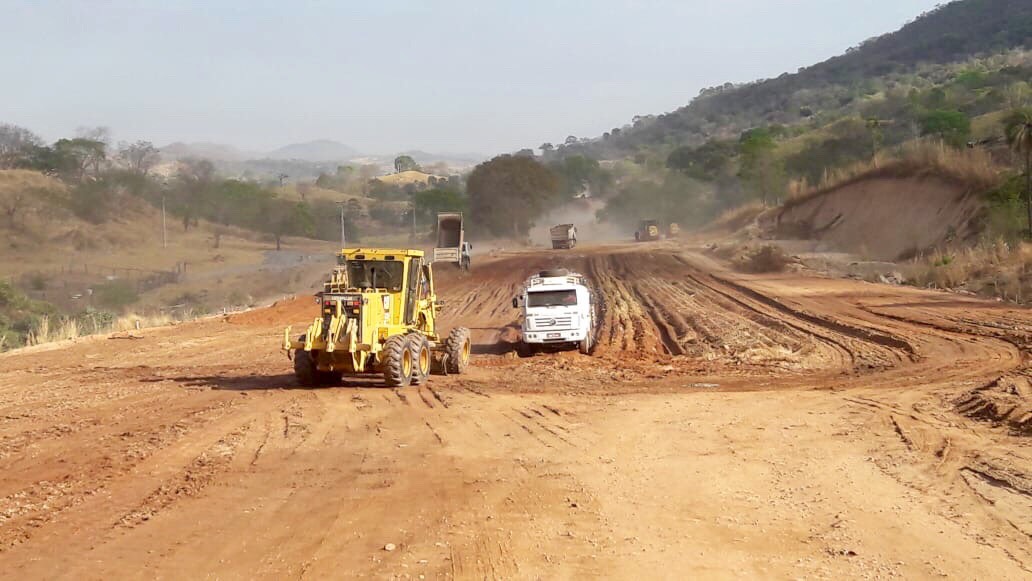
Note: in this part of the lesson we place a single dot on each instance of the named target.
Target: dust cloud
(582, 214)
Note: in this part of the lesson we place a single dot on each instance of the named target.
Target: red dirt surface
(728, 425)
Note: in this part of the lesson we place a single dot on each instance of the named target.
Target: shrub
(766, 258)
(115, 294)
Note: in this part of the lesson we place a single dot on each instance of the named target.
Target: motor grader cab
(378, 315)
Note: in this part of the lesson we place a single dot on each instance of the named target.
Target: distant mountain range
(317, 151)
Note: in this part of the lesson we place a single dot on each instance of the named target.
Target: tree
(508, 192)
(283, 218)
(405, 163)
(140, 156)
(195, 178)
(759, 166)
(97, 133)
(953, 127)
(525, 152)
(706, 162)
(16, 145)
(571, 140)
(74, 157)
(546, 148)
(1018, 128)
(578, 173)
(428, 203)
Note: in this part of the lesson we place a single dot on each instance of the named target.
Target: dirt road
(728, 426)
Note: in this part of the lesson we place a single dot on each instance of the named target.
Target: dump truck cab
(378, 313)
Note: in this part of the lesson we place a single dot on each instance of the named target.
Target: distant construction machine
(647, 230)
(564, 236)
(451, 241)
(378, 315)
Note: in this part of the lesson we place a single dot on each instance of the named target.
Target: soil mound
(883, 218)
(1007, 401)
(282, 312)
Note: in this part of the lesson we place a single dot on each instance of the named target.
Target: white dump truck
(563, 236)
(451, 241)
(558, 311)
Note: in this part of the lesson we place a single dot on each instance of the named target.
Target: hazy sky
(387, 75)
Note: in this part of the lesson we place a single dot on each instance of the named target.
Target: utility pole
(413, 219)
(343, 240)
(164, 230)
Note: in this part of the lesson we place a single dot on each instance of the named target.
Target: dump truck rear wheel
(421, 358)
(458, 346)
(397, 361)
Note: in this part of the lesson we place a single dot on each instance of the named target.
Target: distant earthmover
(647, 230)
(378, 316)
(564, 236)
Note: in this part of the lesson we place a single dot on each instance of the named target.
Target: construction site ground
(728, 425)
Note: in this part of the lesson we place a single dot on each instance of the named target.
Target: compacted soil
(727, 425)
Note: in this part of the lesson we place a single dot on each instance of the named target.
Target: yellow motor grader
(378, 315)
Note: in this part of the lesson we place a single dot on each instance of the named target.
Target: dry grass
(992, 268)
(407, 177)
(972, 168)
(51, 330)
(132, 322)
(48, 331)
(737, 218)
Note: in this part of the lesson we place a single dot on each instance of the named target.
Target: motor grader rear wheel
(457, 348)
(397, 361)
(421, 358)
(308, 375)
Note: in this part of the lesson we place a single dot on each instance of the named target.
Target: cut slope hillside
(885, 217)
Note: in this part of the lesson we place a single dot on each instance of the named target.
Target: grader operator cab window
(556, 298)
(370, 274)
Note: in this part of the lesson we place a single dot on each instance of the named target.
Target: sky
(455, 76)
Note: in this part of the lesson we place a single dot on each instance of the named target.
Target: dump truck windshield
(388, 274)
(554, 298)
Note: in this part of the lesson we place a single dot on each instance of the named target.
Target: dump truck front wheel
(397, 361)
(457, 347)
(585, 345)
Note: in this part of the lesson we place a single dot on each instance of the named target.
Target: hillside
(315, 151)
(949, 34)
(58, 263)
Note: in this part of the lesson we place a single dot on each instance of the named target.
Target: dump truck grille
(551, 323)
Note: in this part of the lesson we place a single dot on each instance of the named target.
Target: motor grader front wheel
(397, 361)
(421, 358)
(457, 348)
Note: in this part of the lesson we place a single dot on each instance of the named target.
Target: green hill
(912, 56)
